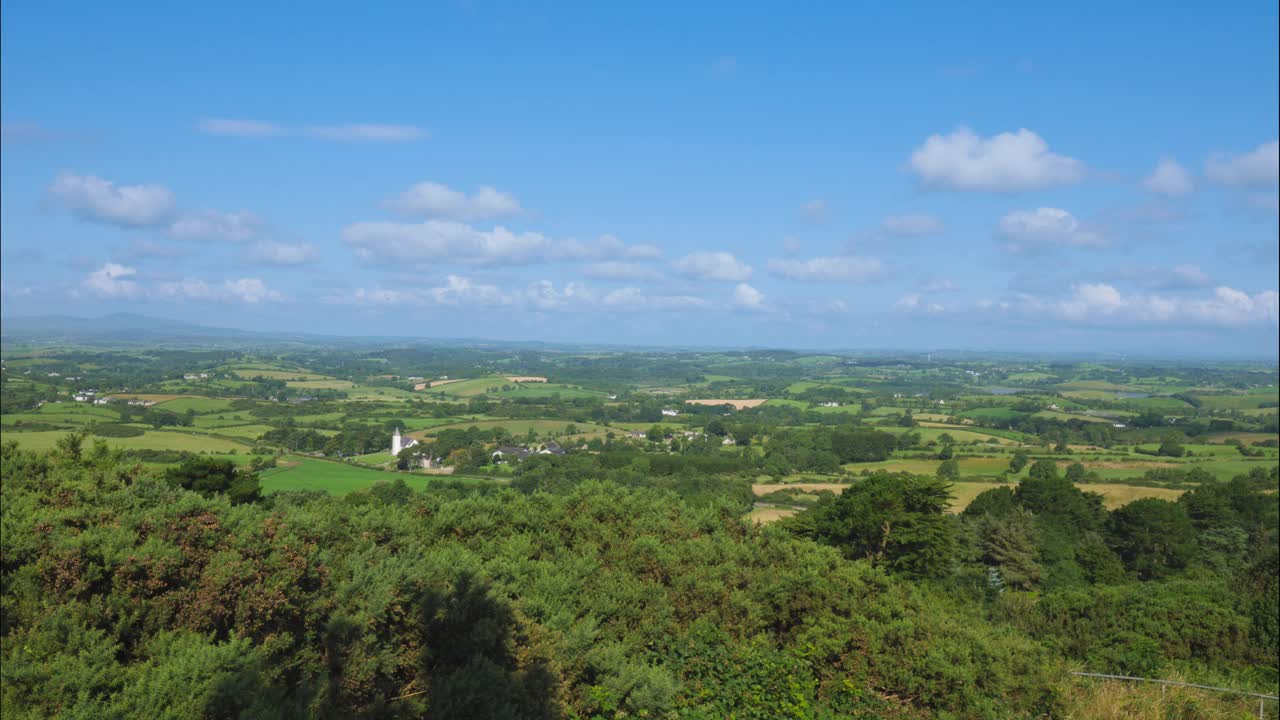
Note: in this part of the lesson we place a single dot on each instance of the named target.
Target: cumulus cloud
(746, 297)
(437, 241)
(344, 133)
(1103, 305)
(1259, 167)
(277, 253)
(911, 225)
(540, 296)
(1091, 303)
(1169, 178)
(214, 225)
(1030, 231)
(713, 266)
(115, 281)
(148, 206)
(430, 199)
(1008, 162)
(840, 268)
(95, 199)
(631, 298)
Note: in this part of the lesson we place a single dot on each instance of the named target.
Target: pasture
(150, 440)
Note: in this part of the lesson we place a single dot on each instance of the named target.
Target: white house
(670, 413)
(399, 443)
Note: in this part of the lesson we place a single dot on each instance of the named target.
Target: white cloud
(1259, 167)
(444, 241)
(367, 133)
(112, 281)
(93, 198)
(439, 241)
(430, 199)
(239, 128)
(540, 296)
(215, 225)
(615, 270)
(604, 248)
(841, 268)
(635, 299)
(913, 303)
(911, 225)
(746, 297)
(1169, 178)
(1028, 231)
(1100, 304)
(814, 210)
(791, 245)
(116, 281)
(713, 266)
(277, 253)
(1008, 162)
(344, 133)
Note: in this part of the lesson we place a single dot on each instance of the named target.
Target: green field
(518, 427)
(151, 440)
(200, 405)
(335, 478)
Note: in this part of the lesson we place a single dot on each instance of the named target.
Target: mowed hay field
(737, 404)
(963, 493)
(150, 440)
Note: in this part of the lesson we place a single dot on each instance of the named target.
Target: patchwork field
(963, 493)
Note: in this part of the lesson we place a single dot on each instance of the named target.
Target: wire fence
(1262, 699)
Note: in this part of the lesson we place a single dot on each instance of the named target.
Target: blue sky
(913, 175)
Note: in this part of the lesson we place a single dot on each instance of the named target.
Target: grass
(516, 427)
(201, 405)
(994, 414)
(250, 373)
(151, 440)
(327, 384)
(335, 478)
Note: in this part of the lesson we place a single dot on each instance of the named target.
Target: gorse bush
(129, 592)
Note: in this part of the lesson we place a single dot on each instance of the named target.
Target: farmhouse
(551, 447)
(670, 413)
(510, 452)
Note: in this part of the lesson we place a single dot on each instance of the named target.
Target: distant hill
(120, 325)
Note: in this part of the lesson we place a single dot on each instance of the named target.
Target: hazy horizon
(846, 177)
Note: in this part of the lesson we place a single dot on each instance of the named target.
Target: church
(399, 443)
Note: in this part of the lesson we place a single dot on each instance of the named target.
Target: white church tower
(396, 447)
